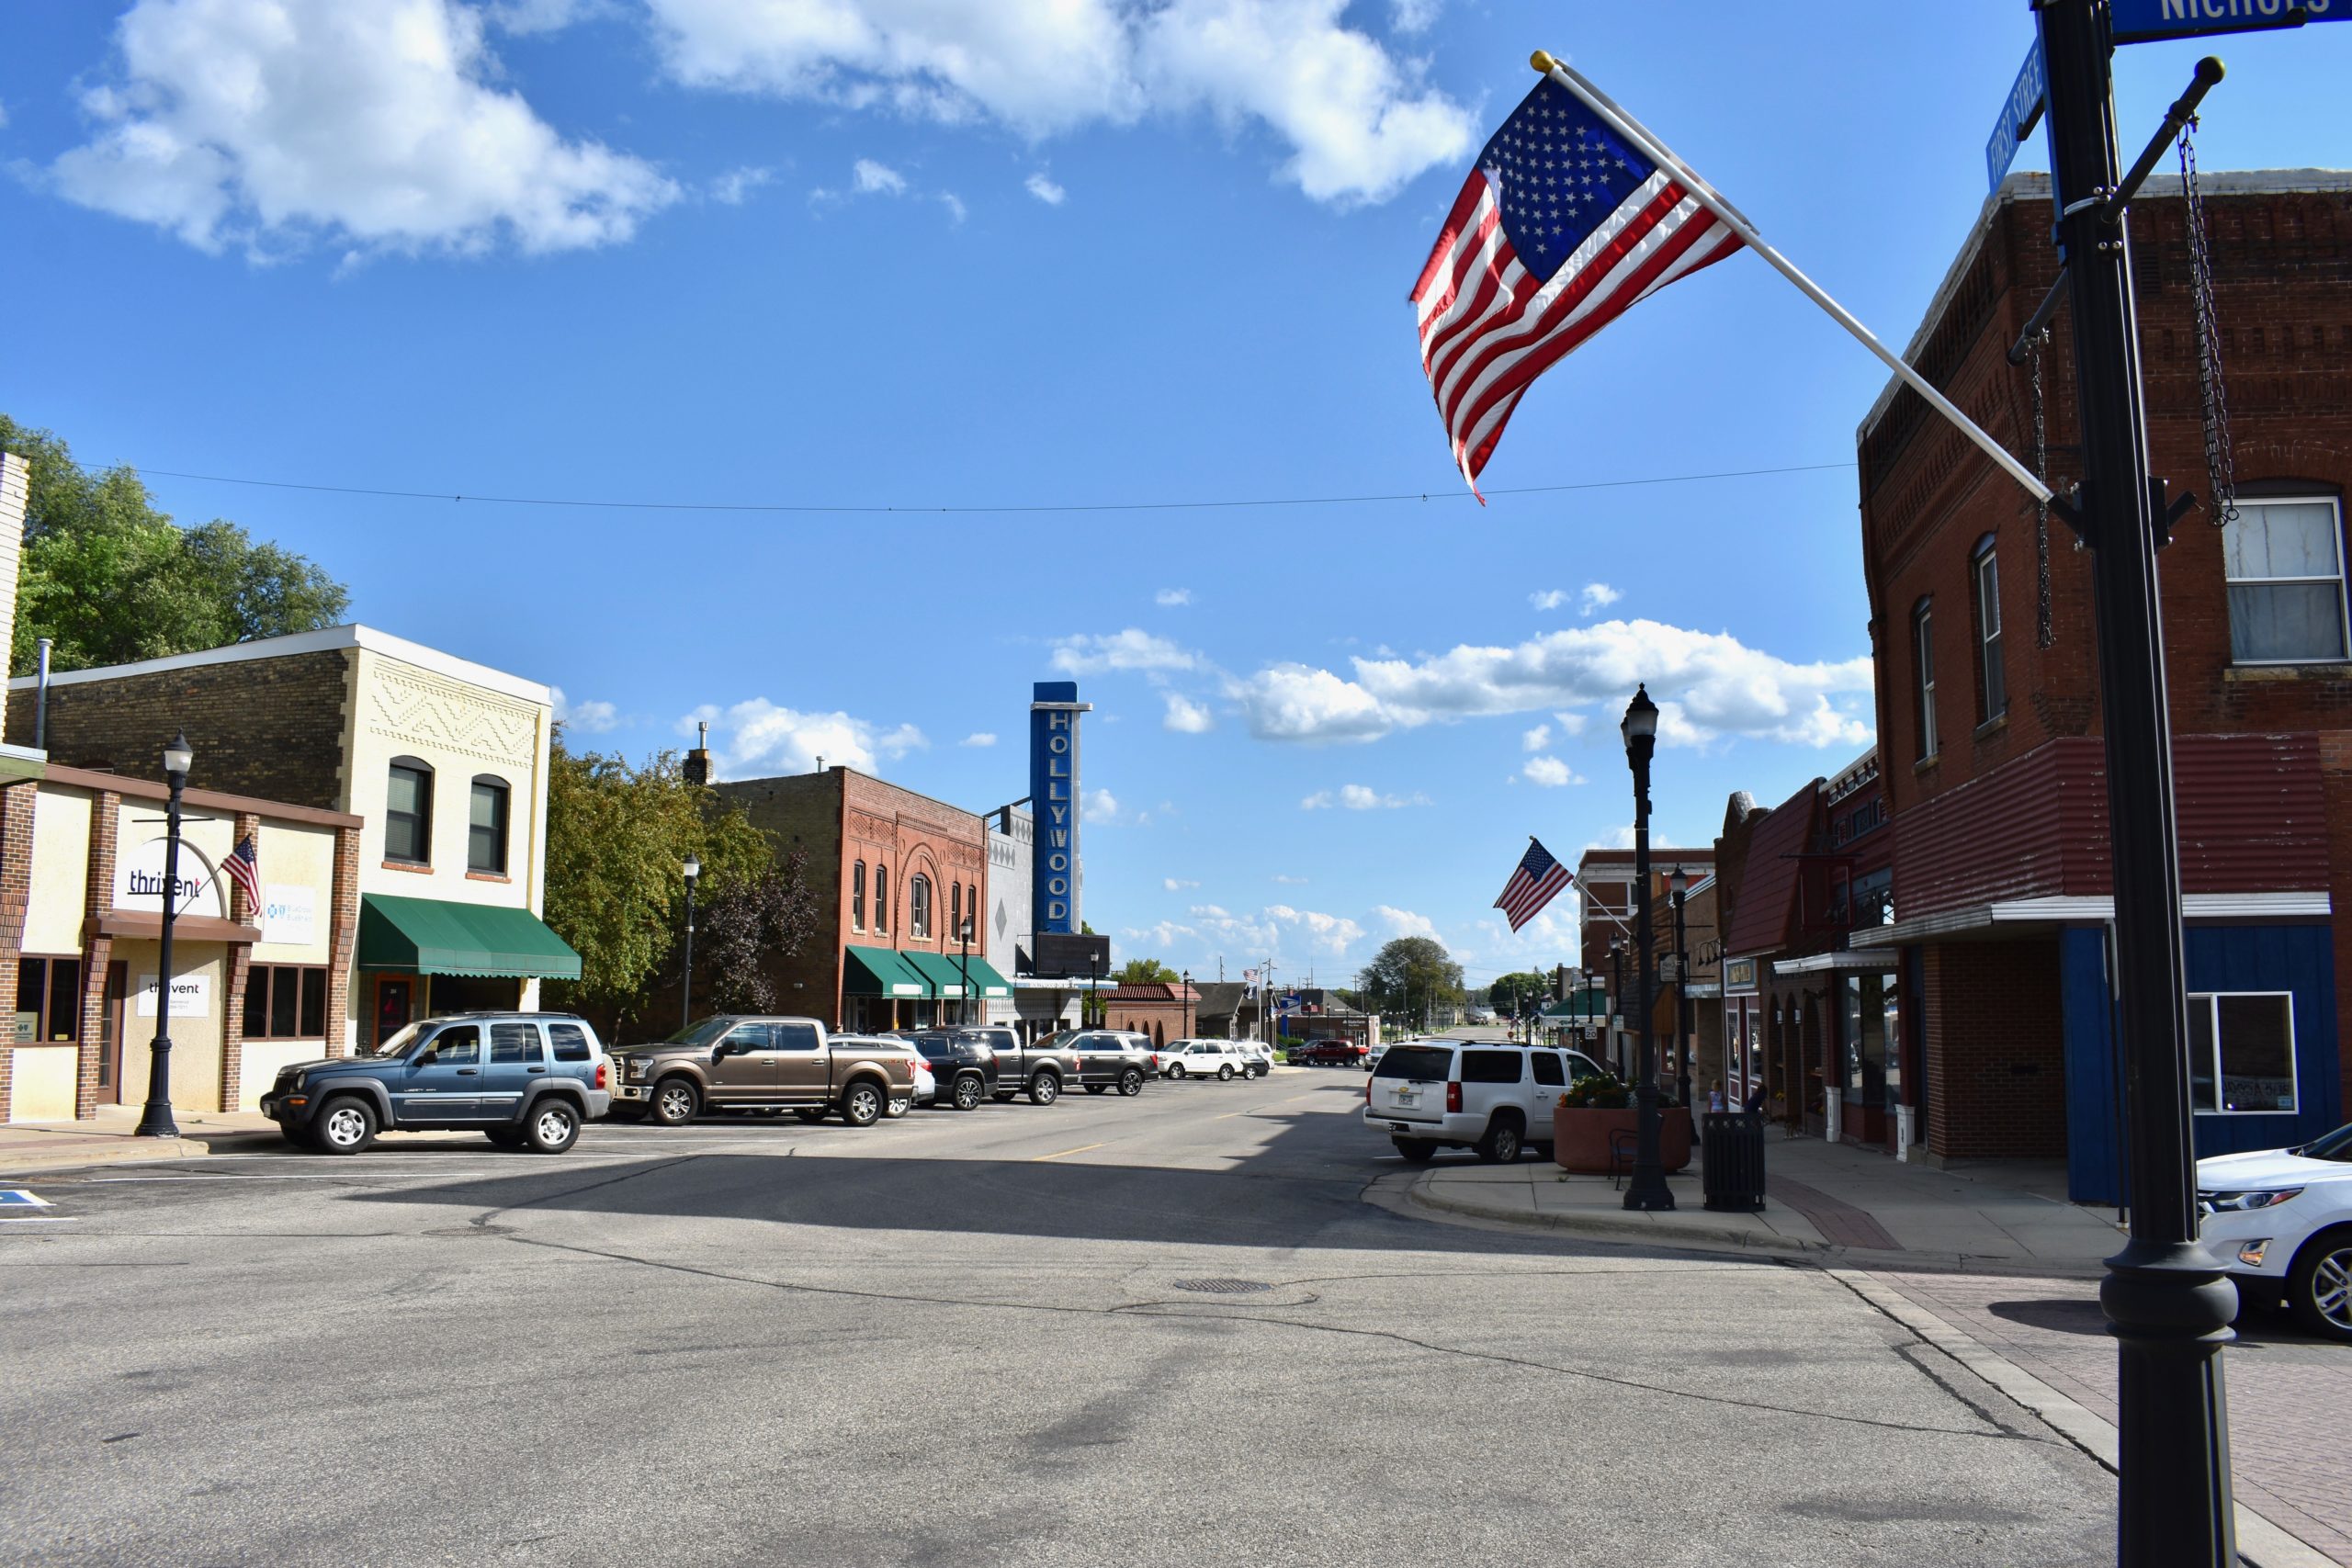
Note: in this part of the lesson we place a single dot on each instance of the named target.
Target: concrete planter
(1581, 1137)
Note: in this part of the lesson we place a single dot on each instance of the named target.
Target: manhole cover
(1224, 1287)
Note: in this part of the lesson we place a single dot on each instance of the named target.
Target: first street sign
(2144, 21)
(2020, 111)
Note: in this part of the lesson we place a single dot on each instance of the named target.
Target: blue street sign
(2020, 111)
(2144, 21)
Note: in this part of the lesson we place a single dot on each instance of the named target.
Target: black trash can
(1731, 1148)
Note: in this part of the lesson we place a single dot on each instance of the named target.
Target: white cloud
(758, 736)
(1045, 190)
(1404, 922)
(1549, 599)
(1599, 596)
(1550, 772)
(1177, 884)
(1133, 649)
(589, 718)
(1186, 716)
(1360, 797)
(870, 178)
(1358, 122)
(1535, 740)
(733, 186)
(1162, 936)
(1170, 598)
(1102, 807)
(978, 737)
(1288, 881)
(4, 125)
(1570, 723)
(270, 123)
(545, 16)
(955, 205)
(1717, 686)
(1414, 15)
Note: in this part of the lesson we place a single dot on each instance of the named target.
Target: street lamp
(155, 1116)
(1188, 1004)
(1679, 881)
(1647, 1188)
(686, 992)
(1616, 1004)
(964, 935)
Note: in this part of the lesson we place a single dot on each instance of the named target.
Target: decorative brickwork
(106, 815)
(17, 803)
(344, 933)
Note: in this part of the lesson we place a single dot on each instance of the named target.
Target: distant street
(1168, 1330)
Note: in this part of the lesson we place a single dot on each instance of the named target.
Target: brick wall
(17, 803)
(344, 933)
(267, 728)
(1996, 1050)
(2336, 773)
(803, 811)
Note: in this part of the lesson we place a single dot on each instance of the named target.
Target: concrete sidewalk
(110, 1137)
(1822, 1199)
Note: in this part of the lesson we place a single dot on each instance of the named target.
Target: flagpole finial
(1542, 62)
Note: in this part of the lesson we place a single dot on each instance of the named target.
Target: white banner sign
(191, 996)
(289, 914)
(138, 881)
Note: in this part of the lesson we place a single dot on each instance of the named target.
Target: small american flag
(1535, 884)
(1560, 228)
(245, 870)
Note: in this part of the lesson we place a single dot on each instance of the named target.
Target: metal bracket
(2068, 508)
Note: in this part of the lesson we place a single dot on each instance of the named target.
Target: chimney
(15, 487)
(698, 767)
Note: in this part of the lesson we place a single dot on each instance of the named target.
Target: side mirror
(426, 1057)
(721, 1049)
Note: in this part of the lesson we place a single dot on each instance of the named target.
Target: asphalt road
(983, 1338)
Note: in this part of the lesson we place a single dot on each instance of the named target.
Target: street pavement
(1169, 1329)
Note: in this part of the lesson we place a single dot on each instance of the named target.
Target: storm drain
(1224, 1287)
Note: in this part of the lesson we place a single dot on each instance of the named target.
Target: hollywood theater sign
(1052, 795)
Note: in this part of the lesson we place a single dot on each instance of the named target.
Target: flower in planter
(1600, 1091)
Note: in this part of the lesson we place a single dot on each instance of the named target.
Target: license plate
(1406, 1097)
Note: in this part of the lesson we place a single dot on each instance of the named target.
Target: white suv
(2281, 1223)
(1433, 1094)
(1203, 1059)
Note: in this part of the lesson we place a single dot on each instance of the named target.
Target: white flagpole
(1633, 130)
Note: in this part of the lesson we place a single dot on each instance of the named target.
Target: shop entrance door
(395, 1006)
(110, 1025)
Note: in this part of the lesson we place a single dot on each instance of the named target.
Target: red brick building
(899, 875)
(1163, 1010)
(1606, 940)
(1988, 691)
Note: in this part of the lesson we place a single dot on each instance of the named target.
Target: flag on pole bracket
(1573, 214)
(1535, 883)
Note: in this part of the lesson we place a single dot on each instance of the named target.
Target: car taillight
(600, 1075)
(1454, 1097)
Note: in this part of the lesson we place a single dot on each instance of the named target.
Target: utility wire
(815, 510)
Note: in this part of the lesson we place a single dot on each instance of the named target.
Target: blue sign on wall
(1053, 796)
(2018, 111)
(2141, 21)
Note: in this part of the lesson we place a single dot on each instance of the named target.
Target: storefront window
(919, 905)
(49, 999)
(2242, 1053)
(286, 1001)
(1869, 1008)
(857, 897)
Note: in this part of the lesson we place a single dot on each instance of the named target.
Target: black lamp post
(964, 936)
(1680, 881)
(686, 991)
(1616, 1004)
(1188, 1004)
(1647, 1189)
(155, 1116)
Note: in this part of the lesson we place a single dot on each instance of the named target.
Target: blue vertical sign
(1053, 796)
(2020, 111)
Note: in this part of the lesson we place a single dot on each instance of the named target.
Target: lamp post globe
(155, 1115)
(1647, 1189)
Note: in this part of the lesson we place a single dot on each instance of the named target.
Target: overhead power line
(812, 509)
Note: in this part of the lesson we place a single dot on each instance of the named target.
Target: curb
(1708, 1237)
(133, 1151)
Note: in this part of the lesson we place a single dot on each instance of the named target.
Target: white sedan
(1203, 1059)
(2280, 1222)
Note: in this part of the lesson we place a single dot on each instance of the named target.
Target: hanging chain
(2044, 636)
(2220, 464)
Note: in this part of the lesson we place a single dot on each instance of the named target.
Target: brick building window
(1992, 683)
(408, 812)
(2242, 1053)
(49, 999)
(955, 911)
(2284, 560)
(919, 905)
(1923, 648)
(857, 897)
(286, 1001)
(881, 898)
(486, 827)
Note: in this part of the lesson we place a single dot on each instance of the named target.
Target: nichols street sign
(2144, 21)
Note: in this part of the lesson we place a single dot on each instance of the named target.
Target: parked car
(1329, 1053)
(963, 1062)
(1109, 1058)
(1372, 1056)
(1040, 1068)
(1203, 1059)
(525, 1079)
(735, 1063)
(1260, 1059)
(926, 1085)
(2281, 1223)
(1433, 1094)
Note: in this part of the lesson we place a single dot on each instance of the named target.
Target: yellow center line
(1079, 1150)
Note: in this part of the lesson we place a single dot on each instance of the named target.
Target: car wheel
(2319, 1287)
(505, 1137)
(1131, 1082)
(675, 1100)
(968, 1092)
(1501, 1144)
(1419, 1151)
(1045, 1089)
(898, 1108)
(552, 1126)
(1175, 1069)
(1097, 1087)
(812, 1114)
(1225, 1072)
(862, 1105)
(344, 1126)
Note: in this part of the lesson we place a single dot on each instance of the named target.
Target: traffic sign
(2019, 112)
(2144, 21)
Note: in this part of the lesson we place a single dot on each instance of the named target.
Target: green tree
(618, 839)
(749, 926)
(111, 579)
(1519, 994)
(1146, 972)
(1411, 972)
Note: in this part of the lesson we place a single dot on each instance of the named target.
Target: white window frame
(2212, 1000)
(2342, 580)
(1987, 563)
(1923, 673)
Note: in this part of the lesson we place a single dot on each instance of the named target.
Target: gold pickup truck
(737, 1063)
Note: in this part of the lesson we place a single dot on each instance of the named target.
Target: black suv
(961, 1062)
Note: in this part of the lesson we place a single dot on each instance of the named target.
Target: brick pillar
(16, 804)
(240, 968)
(2335, 777)
(97, 951)
(343, 939)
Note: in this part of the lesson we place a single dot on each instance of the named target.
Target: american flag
(245, 870)
(1560, 228)
(1535, 884)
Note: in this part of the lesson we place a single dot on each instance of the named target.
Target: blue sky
(908, 253)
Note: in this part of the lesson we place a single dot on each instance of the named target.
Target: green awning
(945, 975)
(433, 936)
(986, 981)
(880, 972)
